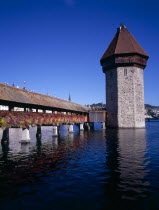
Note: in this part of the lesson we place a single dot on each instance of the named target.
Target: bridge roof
(10, 94)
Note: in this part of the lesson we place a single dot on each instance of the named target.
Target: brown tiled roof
(23, 96)
(123, 43)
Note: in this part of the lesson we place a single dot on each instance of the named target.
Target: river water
(100, 169)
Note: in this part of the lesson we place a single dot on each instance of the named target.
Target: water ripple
(85, 170)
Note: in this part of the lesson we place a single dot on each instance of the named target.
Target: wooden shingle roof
(12, 94)
(123, 43)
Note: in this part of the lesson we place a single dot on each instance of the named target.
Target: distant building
(98, 106)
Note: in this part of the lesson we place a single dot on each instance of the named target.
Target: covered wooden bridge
(22, 98)
(26, 108)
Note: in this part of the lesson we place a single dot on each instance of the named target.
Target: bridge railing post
(38, 131)
(11, 108)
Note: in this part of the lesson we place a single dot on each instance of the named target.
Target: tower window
(125, 72)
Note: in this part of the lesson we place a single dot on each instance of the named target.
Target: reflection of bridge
(36, 109)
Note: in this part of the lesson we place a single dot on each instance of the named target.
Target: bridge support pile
(38, 132)
(70, 129)
(25, 136)
(5, 135)
(81, 127)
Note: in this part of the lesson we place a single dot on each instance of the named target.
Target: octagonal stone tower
(123, 63)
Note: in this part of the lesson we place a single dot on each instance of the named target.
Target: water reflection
(38, 145)
(97, 169)
(24, 149)
(126, 150)
(5, 150)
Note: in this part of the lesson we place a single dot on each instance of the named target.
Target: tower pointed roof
(123, 43)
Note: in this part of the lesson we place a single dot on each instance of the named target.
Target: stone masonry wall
(130, 97)
(111, 97)
(125, 97)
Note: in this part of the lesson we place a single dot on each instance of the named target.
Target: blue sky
(56, 45)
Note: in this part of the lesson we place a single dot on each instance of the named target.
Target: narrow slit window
(125, 72)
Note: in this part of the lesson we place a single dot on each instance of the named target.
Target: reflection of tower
(123, 63)
(113, 176)
(126, 150)
(132, 164)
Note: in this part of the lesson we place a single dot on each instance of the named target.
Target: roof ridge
(118, 32)
(40, 94)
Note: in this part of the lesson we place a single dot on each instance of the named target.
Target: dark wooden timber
(5, 136)
(97, 116)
